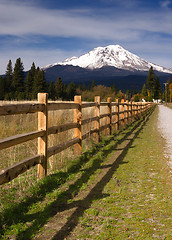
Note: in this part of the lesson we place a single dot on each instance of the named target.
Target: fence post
(127, 112)
(122, 114)
(117, 114)
(42, 141)
(77, 131)
(97, 122)
(109, 117)
(138, 107)
(135, 110)
(130, 111)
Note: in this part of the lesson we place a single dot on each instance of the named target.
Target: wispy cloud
(24, 20)
(41, 57)
(23, 24)
(165, 4)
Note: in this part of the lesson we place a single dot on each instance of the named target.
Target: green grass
(137, 202)
(127, 199)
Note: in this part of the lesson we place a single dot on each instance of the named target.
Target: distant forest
(17, 85)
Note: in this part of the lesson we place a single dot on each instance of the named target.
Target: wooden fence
(124, 113)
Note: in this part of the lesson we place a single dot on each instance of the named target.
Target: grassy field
(136, 201)
(24, 123)
(120, 189)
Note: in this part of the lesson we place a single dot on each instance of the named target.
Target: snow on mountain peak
(115, 56)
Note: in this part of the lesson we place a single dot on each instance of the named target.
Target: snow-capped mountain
(114, 56)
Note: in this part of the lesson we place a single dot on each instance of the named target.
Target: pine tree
(157, 89)
(33, 69)
(39, 84)
(29, 81)
(29, 85)
(144, 91)
(71, 91)
(8, 77)
(151, 81)
(18, 77)
(51, 91)
(59, 88)
(114, 88)
(167, 90)
(2, 88)
(93, 84)
(169, 80)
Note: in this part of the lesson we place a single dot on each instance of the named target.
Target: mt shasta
(106, 65)
(114, 56)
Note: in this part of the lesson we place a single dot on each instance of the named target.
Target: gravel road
(165, 128)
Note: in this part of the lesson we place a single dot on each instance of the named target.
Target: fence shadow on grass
(96, 192)
(19, 213)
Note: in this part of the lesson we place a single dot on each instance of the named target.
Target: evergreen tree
(151, 81)
(29, 85)
(93, 84)
(157, 89)
(83, 87)
(8, 77)
(144, 91)
(114, 88)
(33, 69)
(29, 81)
(51, 91)
(71, 91)
(167, 90)
(39, 84)
(169, 80)
(2, 88)
(59, 88)
(18, 77)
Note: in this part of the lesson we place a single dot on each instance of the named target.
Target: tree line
(152, 88)
(16, 84)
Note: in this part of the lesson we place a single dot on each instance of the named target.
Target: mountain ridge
(83, 71)
(113, 56)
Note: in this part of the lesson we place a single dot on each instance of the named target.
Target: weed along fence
(116, 114)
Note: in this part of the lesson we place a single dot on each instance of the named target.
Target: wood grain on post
(142, 108)
(133, 112)
(42, 141)
(145, 106)
(122, 114)
(77, 131)
(127, 112)
(138, 109)
(130, 108)
(117, 115)
(97, 122)
(135, 109)
(109, 117)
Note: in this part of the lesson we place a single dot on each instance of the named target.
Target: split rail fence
(124, 113)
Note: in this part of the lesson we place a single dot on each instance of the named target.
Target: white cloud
(41, 57)
(136, 28)
(19, 20)
(165, 4)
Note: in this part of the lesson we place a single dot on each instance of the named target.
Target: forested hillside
(19, 85)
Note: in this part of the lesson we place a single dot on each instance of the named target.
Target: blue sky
(49, 31)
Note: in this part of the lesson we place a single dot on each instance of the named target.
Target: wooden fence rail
(124, 113)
